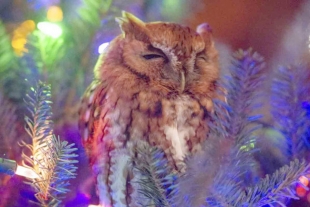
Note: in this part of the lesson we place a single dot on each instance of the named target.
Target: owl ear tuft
(205, 32)
(132, 26)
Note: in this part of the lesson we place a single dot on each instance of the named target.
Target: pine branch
(40, 125)
(215, 176)
(44, 54)
(233, 120)
(92, 10)
(290, 107)
(9, 68)
(87, 23)
(271, 191)
(218, 175)
(7, 56)
(51, 159)
(156, 180)
(228, 183)
(82, 31)
(278, 187)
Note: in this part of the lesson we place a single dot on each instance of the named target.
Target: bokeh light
(304, 180)
(26, 172)
(301, 187)
(301, 192)
(54, 14)
(50, 29)
(19, 38)
(19, 44)
(28, 25)
(103, 47)
(308, 197)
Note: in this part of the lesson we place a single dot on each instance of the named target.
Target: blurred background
(242, 24)
(57, 41)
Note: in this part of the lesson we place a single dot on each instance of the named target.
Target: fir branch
(215, 176)
(87, 23)
(234, 121)
(92, 10)
(238, 114)
(227, 158)
(76, 45)
(290, 106)
(10, 69)
(225, 189)
(40, 125)
(51, 159)
(278, 187)
(7, 55)
(44, 54)
(156, 180)
(81, 33)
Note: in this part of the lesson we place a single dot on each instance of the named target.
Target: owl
(154, 83)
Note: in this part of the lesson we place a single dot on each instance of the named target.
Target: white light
(50, 29)
(26, 172)
(102, 47)
(91, 205)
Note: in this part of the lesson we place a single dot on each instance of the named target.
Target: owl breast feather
(176, 126)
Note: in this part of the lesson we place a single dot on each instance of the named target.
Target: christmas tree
(46, 62)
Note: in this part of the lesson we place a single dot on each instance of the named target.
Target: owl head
(161, 56)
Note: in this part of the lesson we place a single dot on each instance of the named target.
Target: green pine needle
(7, 55)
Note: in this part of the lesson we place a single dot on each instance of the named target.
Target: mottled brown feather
(134, 98)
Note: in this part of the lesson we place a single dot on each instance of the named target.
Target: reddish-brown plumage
(154, 83)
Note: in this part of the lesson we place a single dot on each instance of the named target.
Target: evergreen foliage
(52, 159)
(283, 181)
(155, 178)
(226, 164)
(233, 120)
(224, 174)
(290, 108)
(7, 56)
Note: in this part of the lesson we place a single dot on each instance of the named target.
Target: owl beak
(182, 81)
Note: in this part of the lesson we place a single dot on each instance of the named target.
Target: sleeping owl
(155, 83)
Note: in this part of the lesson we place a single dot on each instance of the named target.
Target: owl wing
(110, 165)
(89, 118)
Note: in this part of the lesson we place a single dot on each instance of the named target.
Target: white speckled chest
(178, 127)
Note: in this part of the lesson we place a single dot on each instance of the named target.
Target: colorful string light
(54, 14)
(50, 29)
(20, 34)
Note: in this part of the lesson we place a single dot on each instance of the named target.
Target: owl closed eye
(154, 83)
